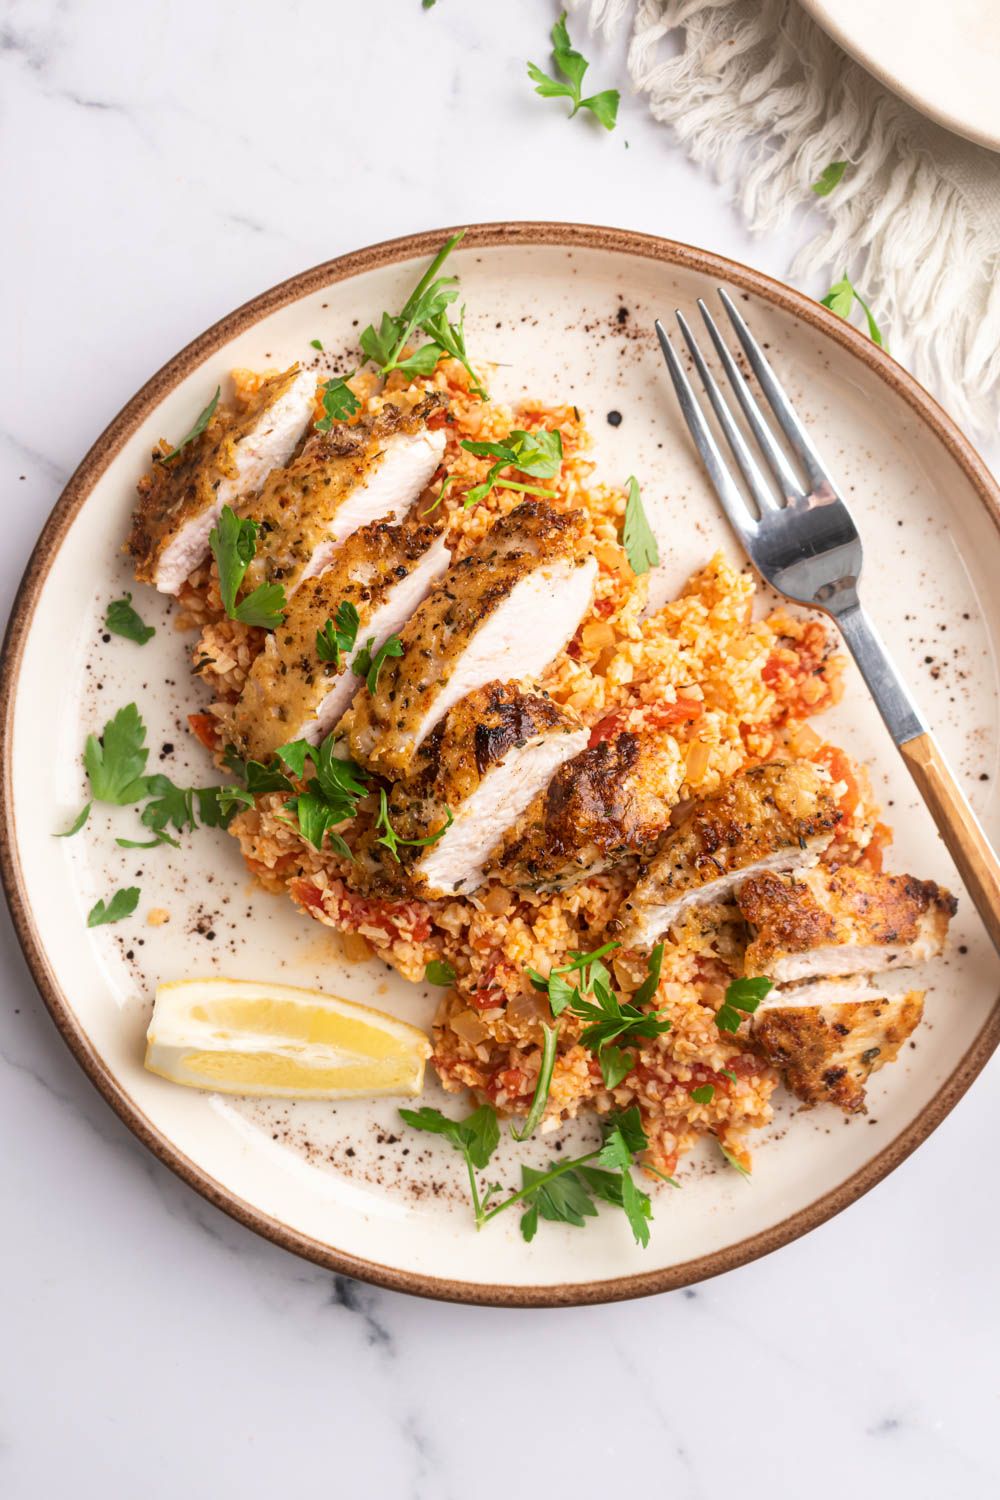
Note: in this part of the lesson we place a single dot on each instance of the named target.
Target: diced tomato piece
(840, 768)
(206, 728)
(638, 717)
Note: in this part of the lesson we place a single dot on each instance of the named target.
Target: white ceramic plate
(567, 313)
(942, 59)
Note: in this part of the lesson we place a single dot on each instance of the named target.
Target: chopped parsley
(338, 634)
(550, 1039)
(828, 178)
(742, 998)
(77, 823)
(201, 422)
(233, 543)
(566, 1191)
(316, 344)
(572, 65)
(841, 299)
(122, 904)
(539, 454)
(391, 839)
(704, 1094)
(368, 666)
(439, 971)
(331, 794)
(122, 619)
(637, 534)
(339, 401)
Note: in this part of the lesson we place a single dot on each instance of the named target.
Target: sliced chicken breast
(828, 1039)
(513, 603)
(778, 816)
(610, 803)
(483, 763)
(181, 500)
(370, 470)
(846, 921)
(291, 693)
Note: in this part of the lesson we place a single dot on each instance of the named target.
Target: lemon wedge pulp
(236, 1036)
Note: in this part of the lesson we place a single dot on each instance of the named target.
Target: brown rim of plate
(572, 236)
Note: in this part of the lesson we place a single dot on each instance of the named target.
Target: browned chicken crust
(175, 492)
(772, 810)
(288, 678)
(852, 909)
(609, 804)
(383, 726)
(298, 503)
(827, 1053)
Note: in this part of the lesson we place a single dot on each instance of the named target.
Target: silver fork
(804, 542)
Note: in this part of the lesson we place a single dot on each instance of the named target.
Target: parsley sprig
(841, 299)
(567, 1191)
(572, 65)
(391, 839)
(338, 634)
(610, 1020)
(550, 1041)
(331, 794)
(122, 904)
(339, 401)
(637, 534)
(201, 422)
(539, 454)
(424, 311)
(233, 543)
(742, 998)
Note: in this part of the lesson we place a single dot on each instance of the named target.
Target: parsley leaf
(742, 998)
(646, 991)
(704, 1094)
(339, 401)
(122, 904)
(734, 1160)
(550, 1039)
(439, 971)
(331, 795)
(450, 340)
(335, 638)
(77, 823)
(538, 454)
(391, 839)
(122, 619)
(201, 422)
(476, 1137)
(116, 760)
(183, 807)
(316, 344)
(572, 66)
(841, 298)
(233, 543)
(637, 534)
(615, 1065)
(828, 178)
(368, 666)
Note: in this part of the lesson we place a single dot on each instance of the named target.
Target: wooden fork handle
(965, 840)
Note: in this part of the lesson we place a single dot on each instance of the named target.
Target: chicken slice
(828, 1038)
(483, 763)
(777, 816)
(610, 803)
(511, 604)
(384, 571)
(847, 921)
(181, 500)
(370, 470)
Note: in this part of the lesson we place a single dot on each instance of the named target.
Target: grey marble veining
(161, 164)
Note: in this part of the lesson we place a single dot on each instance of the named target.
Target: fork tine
(757, 484)
(732, 501)
(780, 467)
(777, 397)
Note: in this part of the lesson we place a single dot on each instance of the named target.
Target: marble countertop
(165, 162)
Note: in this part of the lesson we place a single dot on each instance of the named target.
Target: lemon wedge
(235, 1036)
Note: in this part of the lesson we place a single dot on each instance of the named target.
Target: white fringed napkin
(761, 95)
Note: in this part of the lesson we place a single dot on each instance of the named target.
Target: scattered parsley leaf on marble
(572, 65)
(828, 178)
(841, 298)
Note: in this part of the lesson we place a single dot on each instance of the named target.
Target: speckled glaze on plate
(566, 312)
